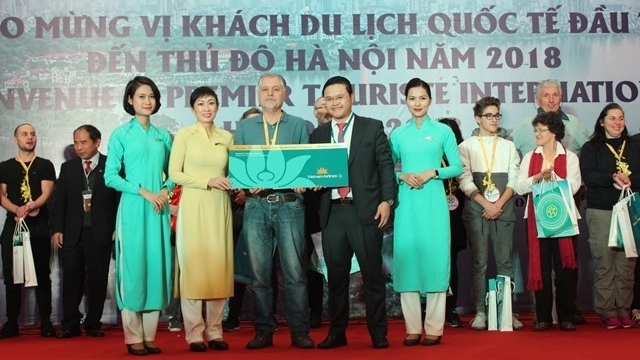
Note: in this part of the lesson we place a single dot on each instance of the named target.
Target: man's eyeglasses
(490, 116)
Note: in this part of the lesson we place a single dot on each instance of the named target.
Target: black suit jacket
(371, 170)
(68, 211)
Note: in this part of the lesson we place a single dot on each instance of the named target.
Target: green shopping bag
(555, 216)
(633, 206)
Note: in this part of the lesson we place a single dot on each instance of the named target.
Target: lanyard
(266, 131)
(618, 156)
(489, 162)
(449, 181)
(26, 193)
(622, 166)
(344, 131)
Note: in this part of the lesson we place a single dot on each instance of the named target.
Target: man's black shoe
(47, 329)
(261, 339)
(379, 342)
(333, 341)
(67, 333)
(9, 330)
(95, 333)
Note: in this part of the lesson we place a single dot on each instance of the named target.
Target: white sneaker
(517, 325)
(480, 321)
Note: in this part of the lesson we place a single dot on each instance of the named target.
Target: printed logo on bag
(551, 211)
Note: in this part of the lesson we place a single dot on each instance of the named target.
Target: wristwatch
(390, 202)
(437, 174)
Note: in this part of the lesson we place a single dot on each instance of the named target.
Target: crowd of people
(441, 193)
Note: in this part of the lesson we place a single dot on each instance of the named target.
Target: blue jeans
(267, 225)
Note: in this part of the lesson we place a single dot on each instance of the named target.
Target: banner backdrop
(66, 62)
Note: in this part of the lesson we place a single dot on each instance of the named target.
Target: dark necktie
(87, 166)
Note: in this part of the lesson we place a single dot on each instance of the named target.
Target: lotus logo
(322, 171)
(271, 171)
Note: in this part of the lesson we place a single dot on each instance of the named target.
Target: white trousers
(139, 326)
(435, 312)
(198, 329)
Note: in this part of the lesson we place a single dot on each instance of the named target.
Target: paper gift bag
(633, 207)
(317, 262)
(556, 213)
(567, 194)
(620, 230)
(30, 278)
(503, 297)
(18, 256)
(492, 311)
(615, 240)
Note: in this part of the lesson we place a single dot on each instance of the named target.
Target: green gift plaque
(288, 166)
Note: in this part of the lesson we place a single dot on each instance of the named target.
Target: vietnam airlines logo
(271, 171)
(322, 171)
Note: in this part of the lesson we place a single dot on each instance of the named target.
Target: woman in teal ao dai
(422, 238)
(137, 163)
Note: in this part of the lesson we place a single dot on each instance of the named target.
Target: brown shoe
(567, 326)
(542, 326)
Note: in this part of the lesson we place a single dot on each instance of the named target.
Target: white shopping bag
(24, 270)
(503, 295)
(620, 230)
(492, 311)
(30, 278)
(18, 256)
(317, 262)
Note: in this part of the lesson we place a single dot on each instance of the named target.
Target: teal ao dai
(422, 237)
(142, 239)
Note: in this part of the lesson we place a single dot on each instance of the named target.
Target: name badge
(452, 202)
(492, 195)
(86, 200)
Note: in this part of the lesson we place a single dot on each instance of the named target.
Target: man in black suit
(352, 218)
(83, 224)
